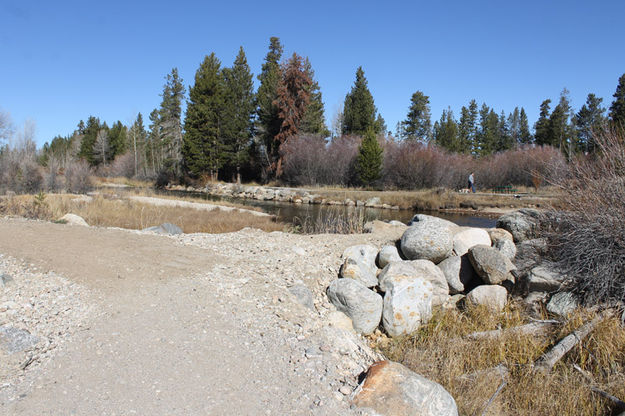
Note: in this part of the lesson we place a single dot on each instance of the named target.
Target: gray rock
(303, 295)
(165, 228)
(395, 223)
(498, 234)
(428, 271)
(339, 320)
(522, 224)
(5, 279)
(431, 219)
(492, 266)
(359, 264)
(562, 304)
(392, 389)
(373, 202)
(544, 279)
(459, 274)
(388, 254)
(492, 296)
(16, 340)
(465, 238)
(529, 253)
(506, 247)
(428, 240)
(73, 219)
(362, 305)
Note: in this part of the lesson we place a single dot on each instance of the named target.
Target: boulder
(459, 274)
(359, 264)
(14, 340)
(362, 305)
(498, 234)
(465, 238)
(428, 240)
(431, 219)
(303, 295)
(522, 224)
(372, 202)
(377, 226)
(506, 247)
(389, 388)
(427, 270)
(407, 299)
(165, 228)
(73, 219)
(492, 296)
(562, 304)
(544, 278)
(492, 266)
(388, 254)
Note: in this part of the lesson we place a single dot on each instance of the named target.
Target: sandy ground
(176, 325)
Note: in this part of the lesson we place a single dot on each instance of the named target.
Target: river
(288, 212)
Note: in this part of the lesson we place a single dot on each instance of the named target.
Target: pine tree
(446, 131)
(617, 109)
(514, 126)
(418, 125)
(137, 137)
(542, 128)
(239, 109)
(589, 121)
(293, 98)
(153, 149)
(269, 77)
(488, 135)
(117, 138)
(369, 160)
(171, 119)
(525, 137)
(313, 121)
(504, 138)
(89, 137)
(561, 133)
(359, 112)
(203, 148)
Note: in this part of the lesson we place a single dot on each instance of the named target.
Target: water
(288, 212)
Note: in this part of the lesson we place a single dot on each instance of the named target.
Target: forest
(279, 133)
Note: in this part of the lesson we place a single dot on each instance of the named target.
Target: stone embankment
(266, 193)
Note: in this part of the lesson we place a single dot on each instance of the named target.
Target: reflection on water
(287, 211)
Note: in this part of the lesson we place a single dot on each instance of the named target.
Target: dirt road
(188, 325)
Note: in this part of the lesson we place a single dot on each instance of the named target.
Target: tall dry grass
(333, 221)
(441, 351)
(106, 211)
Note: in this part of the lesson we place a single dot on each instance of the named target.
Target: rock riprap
(359, 264)
(491, 265)
(465, 238)
(492, 296)
(427, 240)
(362, 305)
(392, 389)
(387, 255)
(459, 274)
(427, 270)
(522, 224)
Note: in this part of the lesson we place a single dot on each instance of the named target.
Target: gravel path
(130, 322)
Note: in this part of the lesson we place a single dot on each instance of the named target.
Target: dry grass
(334, 221)
(121, 180)
(440, 351)
(107, 211)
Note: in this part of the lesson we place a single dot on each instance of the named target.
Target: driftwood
(619, 405)
(533, 328)
(503, 371)
(551, 357)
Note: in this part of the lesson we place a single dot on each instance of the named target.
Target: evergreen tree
(89, 137)
(464, 131)
(292, 102)
(239, 108)
(153, 149)
(137, 137)
(488, 135)
(418, 125)
(359, 112)
(204, 148)
(117, 138)
(514, 126)
(313, 121)
(446, 131)
(525, 137)
(369, 160)
(617, 109)
(504, 137)
(171, 119)
(542, 128)
(561, 133)
(589, 121)
(269, 77)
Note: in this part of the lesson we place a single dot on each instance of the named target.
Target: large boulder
(428, 240)
(394, 230)
(428, 271)
(392, 389)
(491, 265)
(423, 218)
(492, 296)
(387, 255)
(459, 274)
(506, 247)
(522, 224)
(362, 305)
(529, 253)
(545, 278)
(498, 234)
(465, 238)
(407, 299)
(359, 264)
(562, 303)
(73, 219)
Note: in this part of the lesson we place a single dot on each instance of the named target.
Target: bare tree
(101, 146)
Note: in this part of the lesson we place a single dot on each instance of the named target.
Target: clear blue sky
(61, 61)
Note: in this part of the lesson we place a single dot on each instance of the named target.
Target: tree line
(230, 132)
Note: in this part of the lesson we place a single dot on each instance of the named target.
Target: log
(533, 328)
(546, 361)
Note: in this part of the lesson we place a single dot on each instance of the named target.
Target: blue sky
(61, 61)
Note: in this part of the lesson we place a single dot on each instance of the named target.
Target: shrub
(78, 177)
(587, 239)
